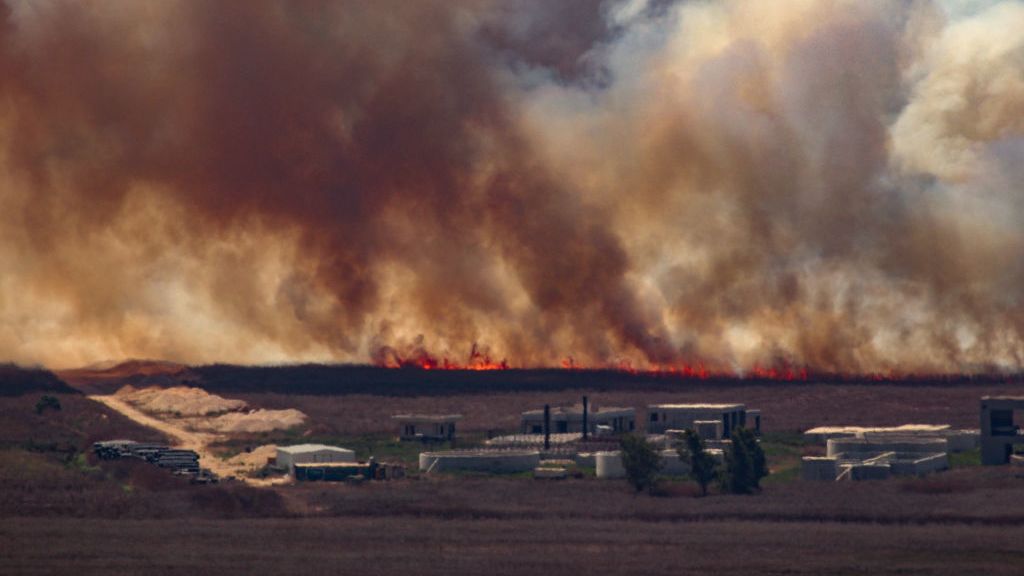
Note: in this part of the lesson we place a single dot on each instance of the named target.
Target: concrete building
(427, 427)
(566, 420)
(852, 458)
(998, 431)
(663, 417)
(289, 456)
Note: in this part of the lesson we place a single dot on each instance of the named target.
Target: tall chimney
(585, 407)
(547, 427)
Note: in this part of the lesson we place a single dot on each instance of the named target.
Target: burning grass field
(63, 511)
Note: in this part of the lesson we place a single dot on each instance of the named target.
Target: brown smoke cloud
(737, 184)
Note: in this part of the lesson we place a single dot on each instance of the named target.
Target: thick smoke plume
(732, 185)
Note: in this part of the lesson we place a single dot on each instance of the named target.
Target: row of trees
(744, 467)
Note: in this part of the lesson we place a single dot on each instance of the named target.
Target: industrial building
(957, 440)
(852, 458)
(289, 456)
(427, 427)
(664, 417)
(567, 420)
(998, 431)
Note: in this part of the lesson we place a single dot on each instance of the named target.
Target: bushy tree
(47, 401)
(702, 465)
(745, 463)
(641, 461)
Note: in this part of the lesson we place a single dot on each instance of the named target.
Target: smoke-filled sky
(741, 183)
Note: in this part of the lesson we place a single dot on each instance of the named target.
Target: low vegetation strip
(15, 381)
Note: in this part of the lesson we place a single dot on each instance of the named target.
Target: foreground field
(410, 545)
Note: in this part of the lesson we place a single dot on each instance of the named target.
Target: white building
(288, 456)
(569, 419)
(433, 427)
(662, 417)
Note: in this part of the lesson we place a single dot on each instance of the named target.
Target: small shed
(439, 427)
(289, 456)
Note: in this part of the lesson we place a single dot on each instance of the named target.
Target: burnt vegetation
(15, 380)
(327, 379)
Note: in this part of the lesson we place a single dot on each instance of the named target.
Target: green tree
(641, 461)
(47, 401)
(702, 465)
(745, 463)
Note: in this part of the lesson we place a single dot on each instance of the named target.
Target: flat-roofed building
(289, 456)
(427, 427)
(663, 417)
(999, 431)
(569, 419)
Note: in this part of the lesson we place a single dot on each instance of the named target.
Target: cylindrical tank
(501, 462)
(609, 465)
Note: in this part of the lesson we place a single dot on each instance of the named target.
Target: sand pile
(253, 460)
(256, 421)
(179, 400)
(209, 412)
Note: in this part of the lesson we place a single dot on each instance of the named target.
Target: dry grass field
(785, 407)
(61, 511)
(427, 546)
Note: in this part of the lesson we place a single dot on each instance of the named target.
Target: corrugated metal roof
(306, 448)
(436, 418)
(696, 406)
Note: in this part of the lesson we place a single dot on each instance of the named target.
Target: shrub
(47, 401)
(703, 468)
(641, 461)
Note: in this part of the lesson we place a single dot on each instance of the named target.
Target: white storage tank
(609, 465)
(493, 461)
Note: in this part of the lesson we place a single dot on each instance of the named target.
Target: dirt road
(186, 439)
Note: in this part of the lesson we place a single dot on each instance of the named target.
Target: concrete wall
(853, 446)
(609, 464)
(859, 472)
(919, 466)
(819, 468)
(586, 460)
